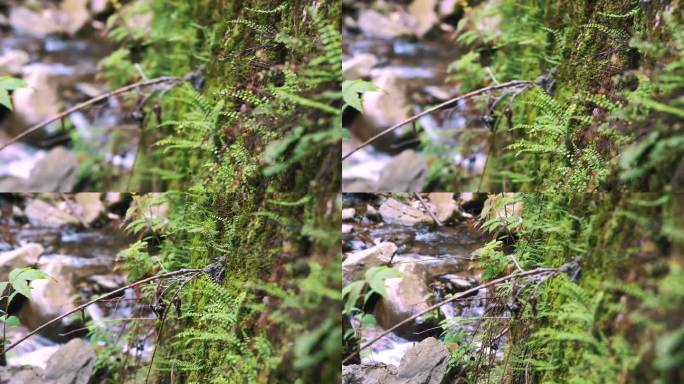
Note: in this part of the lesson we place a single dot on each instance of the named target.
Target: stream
(435, 261)
(59, 63)
(412, 75)
(81, 263)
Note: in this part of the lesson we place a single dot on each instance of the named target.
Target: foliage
(608, 109)
(272, 316)
(352, 91)
(17, 284)
(8, 84)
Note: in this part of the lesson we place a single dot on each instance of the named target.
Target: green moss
(596, 53)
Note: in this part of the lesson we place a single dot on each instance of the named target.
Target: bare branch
(91, 302)
(488, 284)
(85, 104)
(446, 104)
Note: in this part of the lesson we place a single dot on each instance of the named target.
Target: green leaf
(9, 84)
(346, 134)
(11, 321)
(376, 277)
(353, 292)
(351, 90)
(368, 319)
(19, 279)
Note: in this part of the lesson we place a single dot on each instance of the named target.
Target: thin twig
(93, 301)
(446, 104)
(491, 75)
(488, 284)
(88, 103)
(429, 211)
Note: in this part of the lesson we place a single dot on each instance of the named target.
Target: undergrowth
(261, 102)
(607, 112)
(614, 318)
(269, 314)
(252, 140)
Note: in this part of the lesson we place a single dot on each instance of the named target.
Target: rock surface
(395, 212)
(21, 257)
(426, 363)
(356, 264)
(390, 105)
(359, 66)
(348, 214)
(405, 173)
(73, 363)
(49, 299)
(89, 206)
(43, 214)
(445, 207)
(56, 172)
(12, 60)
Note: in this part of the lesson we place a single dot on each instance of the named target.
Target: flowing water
(419, 73)
(63, 72)
(86, 260)
(445, 253)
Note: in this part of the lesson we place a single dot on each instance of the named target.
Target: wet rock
(74, 15)
(25, 256)
(20, 375)
(36, 358)
(347, 228)
(108, 283)
(14, 184)
(12, 60)
(375, 24)
(445, 207)
(372, 213)
(368, 374)
(426, 363)
(38, 101)
(73, 363)
(98, 6)
(355, 265)
(78, 268)
(424, 15)
(395, 212)
(38, 24)
(459, 283)
(89, 206)
(43, 214)
(50, 298)
(448, 7)
(389, 106)
(348, 214)
(56, 172)
(17, 160)
(406, 296)
(405, 173)
(358, 66)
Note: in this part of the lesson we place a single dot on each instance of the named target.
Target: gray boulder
(355, 265)
(73, 363)
(426, 363)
